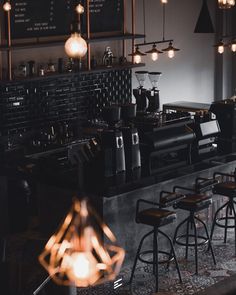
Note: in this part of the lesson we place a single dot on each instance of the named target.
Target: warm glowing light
(154, 56)
(75, 255)
(164, 1)
(226, 4)
(171, 53)
(79, 9)
(220, 49)
(76, 46)
(7, 6)
(233, 46)
(137, 59)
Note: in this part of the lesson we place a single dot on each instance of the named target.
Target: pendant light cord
(163, 21)
(144, 21)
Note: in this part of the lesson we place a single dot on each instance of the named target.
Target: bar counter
(117, 205)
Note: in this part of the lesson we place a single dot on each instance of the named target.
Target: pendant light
(137, 54)
(154, 52)
(76, 46)
(170, 50)
(233, 45)
(220, 47)
(226, 4)
(76, 255)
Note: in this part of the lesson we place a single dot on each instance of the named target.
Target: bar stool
(193, 203)
(156, 217)
(227, 189)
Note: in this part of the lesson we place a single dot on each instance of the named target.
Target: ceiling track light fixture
(154, 51)
(226, 4)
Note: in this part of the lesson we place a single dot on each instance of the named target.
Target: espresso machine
(153, 94)
(140, 93)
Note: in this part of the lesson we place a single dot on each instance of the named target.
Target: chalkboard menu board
(44, 18)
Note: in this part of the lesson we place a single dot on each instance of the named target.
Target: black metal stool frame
(190, 220)
(230, 210)
(155, 262)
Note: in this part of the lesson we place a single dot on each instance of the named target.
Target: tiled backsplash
(32, 104)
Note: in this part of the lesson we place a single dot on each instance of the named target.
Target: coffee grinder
(141, 93)
(113, 158)
(153, 94)
(131, 142)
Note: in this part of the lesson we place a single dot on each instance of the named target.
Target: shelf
(52, 43)
(127, 65)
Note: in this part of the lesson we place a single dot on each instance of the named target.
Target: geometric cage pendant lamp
(76, 254)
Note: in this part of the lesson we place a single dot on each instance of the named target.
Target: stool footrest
(217, 222)
(170, 255)
(204, 242)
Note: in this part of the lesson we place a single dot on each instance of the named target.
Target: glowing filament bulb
(81, 266)
(137, 59)
(76, 46)
(220, 49)
(154, 56)
(79, 9)
(7, 6)
(233, 47)
(171, 53)
(231, 2)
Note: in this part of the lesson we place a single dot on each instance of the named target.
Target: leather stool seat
(194, 202)
(156, 217)
(226, 189)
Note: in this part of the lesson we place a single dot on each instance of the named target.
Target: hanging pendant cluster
(154, 51)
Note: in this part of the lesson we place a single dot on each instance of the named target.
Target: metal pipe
(154, 42)
(9, 53)
(88, 36)
(133, 27)
(124, 26)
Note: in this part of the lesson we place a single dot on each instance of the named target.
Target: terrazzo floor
(209, 274)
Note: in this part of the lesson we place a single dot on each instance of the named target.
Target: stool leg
(214, 220)
(173, 253)
(195, 242)
(209, 240)
(155, 262)
(226, 223)
(187, 240)
(177, 229)
(137, 256)
(234, 213)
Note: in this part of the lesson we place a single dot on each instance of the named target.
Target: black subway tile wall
(31, 104)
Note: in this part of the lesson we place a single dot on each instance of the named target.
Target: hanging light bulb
(75, 255)
(164, 1)
(7, 6)
(79, 9)
(233, 46)
(220, 47)
(137, 55)
(154, 52)
(76, 46)
(170, 50)
(226, 4)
